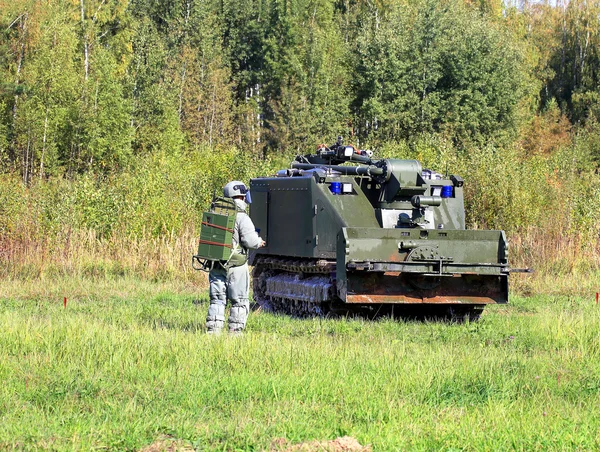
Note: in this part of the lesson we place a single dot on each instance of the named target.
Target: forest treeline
(87, 85)
(121, 116)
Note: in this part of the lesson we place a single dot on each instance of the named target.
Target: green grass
(127, 362)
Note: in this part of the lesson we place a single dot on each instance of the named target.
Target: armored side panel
(301, 216)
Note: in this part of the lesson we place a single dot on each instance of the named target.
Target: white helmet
(235, 188)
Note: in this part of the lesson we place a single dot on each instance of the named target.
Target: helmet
(234, 188)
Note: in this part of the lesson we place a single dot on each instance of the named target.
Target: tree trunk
(86, 61)
(584, 54)
(20, 59)
(183, 71)
(26, 159)
(212, 116)
(44, 144)
(564, 44)
(23, 27)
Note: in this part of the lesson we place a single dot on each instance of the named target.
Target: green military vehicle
(345, 232)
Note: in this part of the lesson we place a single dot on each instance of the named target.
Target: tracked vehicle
(347, 232)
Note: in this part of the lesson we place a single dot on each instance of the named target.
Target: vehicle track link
(306, 288)
(296, 287)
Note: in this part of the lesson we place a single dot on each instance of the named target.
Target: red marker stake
(65, 302)
(597, 294)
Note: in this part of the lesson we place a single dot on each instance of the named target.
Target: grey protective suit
(233, 284)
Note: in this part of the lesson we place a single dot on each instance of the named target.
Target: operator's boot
(215, 320)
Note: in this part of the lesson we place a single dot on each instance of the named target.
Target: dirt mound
(343, 444)
(167, 444)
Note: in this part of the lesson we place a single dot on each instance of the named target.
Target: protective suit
(234, 283)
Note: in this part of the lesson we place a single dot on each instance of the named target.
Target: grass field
(127, 364)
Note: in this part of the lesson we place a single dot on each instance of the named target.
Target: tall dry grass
(561, 263)
(82, 253)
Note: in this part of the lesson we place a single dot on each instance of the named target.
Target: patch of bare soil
(343, 444)
(167, 444)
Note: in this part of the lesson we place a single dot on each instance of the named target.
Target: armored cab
(345, 231)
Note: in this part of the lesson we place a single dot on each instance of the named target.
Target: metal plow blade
(382, 266)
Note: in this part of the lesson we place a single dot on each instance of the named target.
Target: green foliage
(310, 75)
(508, 196)
(587, 145)
(575, 57)
(90, 85)
(98, 205)
(106, 114)
(12, 207)
(5, 162)
(586, 105)
(167, 192)
(50, 93)
(432, 150)
(161, 194)
(437, 67)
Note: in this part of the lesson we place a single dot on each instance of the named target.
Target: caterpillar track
(296, 287)
(305, 288)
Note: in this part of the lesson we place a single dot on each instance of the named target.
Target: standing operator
(233, 283)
